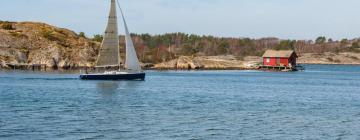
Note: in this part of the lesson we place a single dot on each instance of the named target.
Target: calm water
(320, 103)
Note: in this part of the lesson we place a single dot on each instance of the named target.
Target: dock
(276, 68)
(282, 68)
(25, 66)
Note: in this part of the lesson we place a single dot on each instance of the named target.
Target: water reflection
(131, 84)
(108, 88)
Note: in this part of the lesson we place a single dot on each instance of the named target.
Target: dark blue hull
(129, 76)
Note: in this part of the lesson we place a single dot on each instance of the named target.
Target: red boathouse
(283, 59)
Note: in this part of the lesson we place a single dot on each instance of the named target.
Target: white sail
(109, 53)
(132, 61)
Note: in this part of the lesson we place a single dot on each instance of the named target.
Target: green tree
(344, 42)
(98, 38)
(222, 48)
(355, 45)
(82, 34)
(188, 50)
(320, 40)
(286, 45)
(330, 40)
(245, 42)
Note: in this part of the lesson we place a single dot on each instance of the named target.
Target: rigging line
(126, 30)
(122, 13)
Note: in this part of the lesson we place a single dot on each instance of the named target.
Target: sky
(285, 19)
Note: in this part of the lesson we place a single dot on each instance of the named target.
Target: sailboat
(109, 55)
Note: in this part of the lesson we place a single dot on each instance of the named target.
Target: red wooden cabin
(283, 58)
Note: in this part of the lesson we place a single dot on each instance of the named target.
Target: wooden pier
(24, 66)
(278, 68)
(282, 68)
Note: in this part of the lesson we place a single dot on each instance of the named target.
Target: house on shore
(283, 60)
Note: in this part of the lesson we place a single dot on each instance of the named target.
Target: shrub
(320, 40)
(7, 26)
(355, 45)
(337, 61)
(355, 50)
(285, 45)
(82, 34)
(45, 33)
(330, 59)
(188, 50)
(353, 57)
(337, 50)
(260, 53)
(98, 38)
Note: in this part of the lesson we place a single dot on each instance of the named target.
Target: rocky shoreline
(230, 62)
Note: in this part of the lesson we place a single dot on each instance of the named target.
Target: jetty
(26, 66)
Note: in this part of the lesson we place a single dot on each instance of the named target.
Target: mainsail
(132, 61)
(109, 53)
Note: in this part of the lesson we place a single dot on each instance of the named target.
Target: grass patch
(47, 34)
(54, 36)
(18, 35)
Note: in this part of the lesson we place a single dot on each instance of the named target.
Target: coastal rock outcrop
(330, 58)
(39, 43)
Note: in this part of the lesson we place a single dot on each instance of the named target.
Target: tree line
(160, 48)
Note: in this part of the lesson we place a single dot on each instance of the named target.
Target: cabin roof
(281, 53)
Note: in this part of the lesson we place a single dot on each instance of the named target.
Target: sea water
(322, 102)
